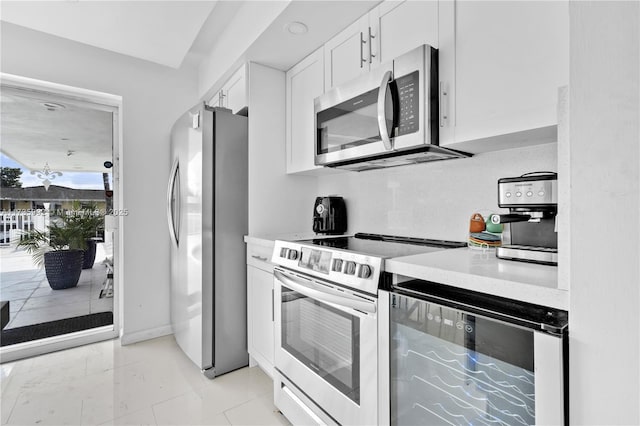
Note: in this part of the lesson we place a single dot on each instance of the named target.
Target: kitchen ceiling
(158, 31)
(170, 33)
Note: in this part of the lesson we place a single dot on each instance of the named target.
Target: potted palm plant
(91, 222)
(61, 249)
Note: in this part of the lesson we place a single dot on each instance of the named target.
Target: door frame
(107, 102)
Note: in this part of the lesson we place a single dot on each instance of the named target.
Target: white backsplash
(432, 200)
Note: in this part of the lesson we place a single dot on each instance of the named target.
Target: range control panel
(350, 269)
(530, 192)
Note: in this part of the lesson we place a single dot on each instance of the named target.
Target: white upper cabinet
(346, 56)
(304, 82)
(233, 94)
(387, 31)
(501, 64)
(399, 26)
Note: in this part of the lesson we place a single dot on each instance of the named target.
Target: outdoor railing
(14, 222)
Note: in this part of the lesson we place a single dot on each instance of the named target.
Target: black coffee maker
(329, 215)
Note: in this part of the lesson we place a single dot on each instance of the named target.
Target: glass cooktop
(385, 246)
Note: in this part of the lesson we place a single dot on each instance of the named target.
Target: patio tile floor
(32, 301)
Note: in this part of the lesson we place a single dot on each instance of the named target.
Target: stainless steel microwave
(388, 117)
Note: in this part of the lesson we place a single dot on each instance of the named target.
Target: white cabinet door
(217, 100)
(233, 94)
(399, 26)
(260, 306)
(501, 64)
(235, 91)
(305, 82)
(346, 56)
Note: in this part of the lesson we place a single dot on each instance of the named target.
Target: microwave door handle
(323, 296)
(382, 118)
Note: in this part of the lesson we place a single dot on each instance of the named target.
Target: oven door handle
(342, 300)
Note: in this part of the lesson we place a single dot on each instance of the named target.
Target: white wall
(604, 319)
(247, 25)
(153, 97)
(278, 203)
(432, 200)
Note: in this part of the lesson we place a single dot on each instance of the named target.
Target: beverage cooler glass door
(447, 366)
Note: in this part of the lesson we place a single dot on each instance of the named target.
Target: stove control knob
(365, 271)
(350, 268)
(284, 252)
(293, 254)
(337, 265)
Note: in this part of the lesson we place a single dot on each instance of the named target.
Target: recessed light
(51, 106)
(296, 28)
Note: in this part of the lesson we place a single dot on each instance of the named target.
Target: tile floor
(31, 299)
(148, 383)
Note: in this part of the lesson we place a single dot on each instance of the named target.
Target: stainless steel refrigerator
(207, 216)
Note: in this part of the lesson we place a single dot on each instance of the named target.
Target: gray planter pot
(63, 268)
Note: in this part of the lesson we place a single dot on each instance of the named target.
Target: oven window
(324, 339)
(451, 367)
(349, 124)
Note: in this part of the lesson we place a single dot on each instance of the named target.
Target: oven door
(326, 349)
(443, 365)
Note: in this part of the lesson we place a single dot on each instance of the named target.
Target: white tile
(7, 402)
(101, 305)
(59, 298)
(188, 409)
(235, 388)
(19, 293)
(53, 313)
(16, 305)
(258, 411)
(141, 417)
(46, 407)
(143, 383)
(130, 388)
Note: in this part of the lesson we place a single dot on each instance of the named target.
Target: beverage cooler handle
(382, 117)
(171, 220)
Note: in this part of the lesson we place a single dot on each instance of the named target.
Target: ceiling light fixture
(296, 28)
(52, 106)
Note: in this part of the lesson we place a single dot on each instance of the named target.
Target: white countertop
(482, 271)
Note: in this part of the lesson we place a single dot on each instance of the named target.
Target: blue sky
(75, 180)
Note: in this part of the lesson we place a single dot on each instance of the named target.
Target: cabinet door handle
(444, 104)
(255, 256)
(371, 55)
(362, 42)
(272, 301)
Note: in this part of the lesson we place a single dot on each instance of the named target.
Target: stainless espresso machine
(533, 205)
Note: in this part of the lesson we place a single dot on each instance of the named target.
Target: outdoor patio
(31, 299)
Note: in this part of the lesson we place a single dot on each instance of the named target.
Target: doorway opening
(59, 216)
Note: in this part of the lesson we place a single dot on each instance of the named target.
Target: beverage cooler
(458, 357)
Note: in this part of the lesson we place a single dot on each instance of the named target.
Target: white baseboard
(139, 336)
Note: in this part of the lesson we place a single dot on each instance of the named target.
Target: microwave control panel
(408, 89)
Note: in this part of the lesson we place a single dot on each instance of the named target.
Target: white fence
(13, 223)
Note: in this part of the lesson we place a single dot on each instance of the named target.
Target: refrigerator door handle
(173, 221)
